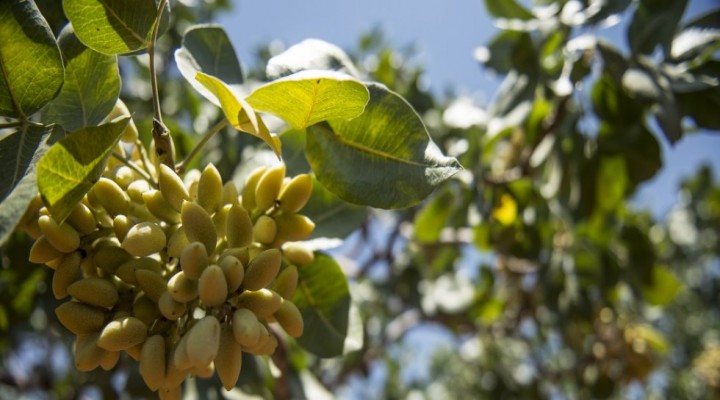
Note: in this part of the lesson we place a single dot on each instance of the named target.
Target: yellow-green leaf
(73, 165)
(308, 97)
(238, 112)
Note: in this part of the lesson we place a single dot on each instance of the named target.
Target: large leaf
(654, 23)
(702, 107)
(308, 97)
(663, 288)
(112, 26)
(333, 217)
(323, 298)
(508, 9)
(310, 54)
(30, 65)
(207, 49)
(73, 165)
(237, 111)
(92, 85)
(19, 154)
(383, 158)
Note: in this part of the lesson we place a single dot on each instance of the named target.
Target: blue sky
(446, 34)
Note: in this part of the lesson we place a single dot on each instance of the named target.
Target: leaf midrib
(122, 23)
(375, 152)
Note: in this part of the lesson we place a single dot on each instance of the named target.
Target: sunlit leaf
(238, 112)
(384, 158)
(323, 298)
(19, 154)
(308, 97)
(611, 184)
(663, 288)
(112, 26)
(430, 219)
(92, 85)
(207, 49)
(31, 69)
(73, 165)
(506, 210)
(310, 54)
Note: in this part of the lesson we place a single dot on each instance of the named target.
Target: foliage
(530, 263)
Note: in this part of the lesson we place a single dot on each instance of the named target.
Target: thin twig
(181, 166)
(11, 125)
(145, 160)
(164, 147)
(134, 167)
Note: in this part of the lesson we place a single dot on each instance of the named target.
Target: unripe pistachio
(151, 283)
(94, 291)
(290, 318)
(239, 227)
(110, 360)
(42, 251)
(295, 194)
(170, 308)
(246, 327)
(122, 175)
(262, 269)
(136, 189)
(198, 225)
(228, 361)
(293, 227)
(263, 302)
(80, 318)
(144, 239)
(159, 207)
(210, 189)
(298, 253)
(172, 187)
(145, 309)
(286, 282)
(265, 229)
(82, 219)
(234, 272)
(63, 237)
(248, 192)
(88, 355)
(152, 362)
(126, 271)
(182, 288)
(212, 286)
(177, 242)
(203, 341)
(67, 272)
(109, 258)
(121, 226)
(268, 187)
(111, 196)
(130, 134)
(220, 219)
(194, 260)
(122, 334)
(230, 193)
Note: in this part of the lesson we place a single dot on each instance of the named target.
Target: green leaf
(310, 54)
(112, 26)
(637, 144)
(30, 63)
(511, 50)
(323, 298)
(383, 158)
(19, 155)
(654, 23)
(207, 49)
(430, 220)
(612, 104)
(92, 85)
(293, 152)
(308, 97)
(73, 165)
(664, 287)
(509, 9)
(611, 184)
(702, 107)
(237, 111)
(333, 217)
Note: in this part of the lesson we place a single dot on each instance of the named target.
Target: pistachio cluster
(183, 276)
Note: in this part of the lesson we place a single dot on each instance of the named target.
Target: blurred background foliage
(528, 275)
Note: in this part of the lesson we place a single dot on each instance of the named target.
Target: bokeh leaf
(308, 97)
(112, 26)
(72, 166)
(30, 64)
(663, 288)
(509, 9)
(20, 152)
(238, 112)
(207, 49)
(383, 158)
(92, 85)
(323, 298)
(310, 54)
(654, 23)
